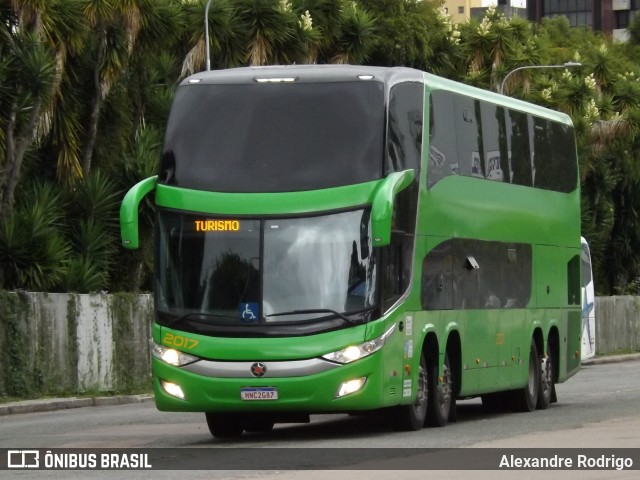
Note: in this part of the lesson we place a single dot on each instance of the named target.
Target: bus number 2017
(178, 341)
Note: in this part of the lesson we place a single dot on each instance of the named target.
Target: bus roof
(306, 74)
(342, 73)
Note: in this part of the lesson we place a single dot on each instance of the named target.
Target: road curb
(53, 404)
(611, 359)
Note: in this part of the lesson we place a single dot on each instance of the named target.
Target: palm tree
(270, 27)
(33, 249)
(356, 37)
(27, 68)
(225, 36)
(60, 25)
(495, 46)
(323, 32)
(404, 31)
(115, 25)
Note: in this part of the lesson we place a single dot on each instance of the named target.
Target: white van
(588, 304)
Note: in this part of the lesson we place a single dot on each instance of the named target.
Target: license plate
(259, 393)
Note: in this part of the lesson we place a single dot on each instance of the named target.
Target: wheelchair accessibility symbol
(249, 311)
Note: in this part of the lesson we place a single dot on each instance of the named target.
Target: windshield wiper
(202, 314)
(342, 316)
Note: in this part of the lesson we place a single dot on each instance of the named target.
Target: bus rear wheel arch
(443, 386)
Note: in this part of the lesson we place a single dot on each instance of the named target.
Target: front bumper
(314, 390)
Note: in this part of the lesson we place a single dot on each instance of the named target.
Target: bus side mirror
(382, 205)
(129, 211)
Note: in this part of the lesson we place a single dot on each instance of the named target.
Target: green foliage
(93, 231)
(84, 276)
(97, 197)
(356, 36)
(33, 249)
(405, 31)
(18, 380)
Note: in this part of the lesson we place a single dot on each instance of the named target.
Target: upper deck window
(477, 138)
(274, 137)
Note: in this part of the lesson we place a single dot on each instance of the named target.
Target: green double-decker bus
(350, 238)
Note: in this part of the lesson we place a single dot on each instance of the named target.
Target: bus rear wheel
(440, 401)
(546, 382)
(412, 417)
(526, 399)
(223, 425)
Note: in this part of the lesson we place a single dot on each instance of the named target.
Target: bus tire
(496, 402)
(224, 425)
(526, 398)
(440, 400)
(412, 417)
(547, 385)
(259, 423)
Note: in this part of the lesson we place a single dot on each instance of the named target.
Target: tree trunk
(96, 104)
(16, 148)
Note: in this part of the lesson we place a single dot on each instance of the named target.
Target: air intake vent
(392, 391)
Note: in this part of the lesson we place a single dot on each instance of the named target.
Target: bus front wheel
(259, 423)
(412, 417)
(224, 425)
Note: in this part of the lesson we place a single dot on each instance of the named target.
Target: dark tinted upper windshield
(274, 137)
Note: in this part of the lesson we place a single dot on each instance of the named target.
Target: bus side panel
(400, 355)
(490, 346)
(557, 272)
(466, 207)
(574, 329)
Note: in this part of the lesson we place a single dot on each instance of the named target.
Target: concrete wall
(66, 343)
(617, 324)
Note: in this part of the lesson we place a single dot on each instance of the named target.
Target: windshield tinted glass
(213, 267)
(274, 137)
(207, 265)
(318, 263)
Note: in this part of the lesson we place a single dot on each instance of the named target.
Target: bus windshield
(274, 137)
(247, 272)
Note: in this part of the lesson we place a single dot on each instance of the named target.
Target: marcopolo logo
(23, 459)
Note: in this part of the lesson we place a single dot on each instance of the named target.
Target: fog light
(172, 389)
(352, 386)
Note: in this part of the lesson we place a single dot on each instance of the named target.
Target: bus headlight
(171, 356)
(356, 352)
